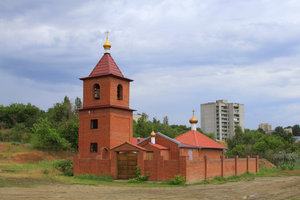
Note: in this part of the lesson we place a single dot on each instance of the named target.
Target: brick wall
(161, 170)
(198, 170)
(91, 166)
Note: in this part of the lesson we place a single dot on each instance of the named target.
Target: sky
(180, 54)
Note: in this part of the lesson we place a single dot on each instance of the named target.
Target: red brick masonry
(162, 170)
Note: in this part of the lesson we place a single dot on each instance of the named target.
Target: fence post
(256, 163)
(205, 166)
(247, 163)
(222, 165)
(236, 165)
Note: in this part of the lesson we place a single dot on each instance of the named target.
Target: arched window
(120, 92)
(96, 91)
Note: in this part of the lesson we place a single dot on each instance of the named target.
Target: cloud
(180, 53)
(22, 90)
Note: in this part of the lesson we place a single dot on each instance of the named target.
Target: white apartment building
(221, 118)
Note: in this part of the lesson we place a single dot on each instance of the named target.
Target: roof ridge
(196, 138)
(105, 66)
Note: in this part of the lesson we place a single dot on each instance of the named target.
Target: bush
(45, 171)
(287, 166)
(177, 180)
(47, 138)
(65, 166)
(139, 178)
(283, 158)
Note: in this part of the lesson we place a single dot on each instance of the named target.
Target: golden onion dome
(107, 45)
(193, 120)
(152, 134)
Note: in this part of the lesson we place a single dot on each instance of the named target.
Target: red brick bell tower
(105, 121)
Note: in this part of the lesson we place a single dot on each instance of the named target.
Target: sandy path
(260, 188)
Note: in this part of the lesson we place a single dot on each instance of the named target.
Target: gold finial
(152, 133)
(193, 120)
(107, 45)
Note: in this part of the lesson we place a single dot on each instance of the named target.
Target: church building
(106, 143)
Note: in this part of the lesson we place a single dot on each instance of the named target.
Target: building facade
(106, 144)
(221, 118)
(265, 127)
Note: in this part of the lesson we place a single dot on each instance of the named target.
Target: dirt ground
(285, 187)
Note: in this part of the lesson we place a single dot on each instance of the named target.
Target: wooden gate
(127, 163)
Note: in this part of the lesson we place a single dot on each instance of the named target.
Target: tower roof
(106, 66)
(197, 139)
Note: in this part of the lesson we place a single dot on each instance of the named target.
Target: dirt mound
(266, 164)
(35, 156)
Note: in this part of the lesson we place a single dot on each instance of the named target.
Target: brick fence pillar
(256, 163)
(205, 166)
(236, 159)
(183, 168)
(247, 163)
(222, 165)
(113, 164)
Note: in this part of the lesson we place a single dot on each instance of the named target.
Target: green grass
(29, 166)
(94, 177)
(23, 182)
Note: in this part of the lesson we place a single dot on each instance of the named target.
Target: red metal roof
(139, 147)
(197, 139)
(106, 66)
(161, 147)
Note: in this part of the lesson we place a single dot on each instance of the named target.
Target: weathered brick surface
(252, 166)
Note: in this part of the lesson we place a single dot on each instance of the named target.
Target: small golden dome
(193, 120)
(107, 45)
(152, 134)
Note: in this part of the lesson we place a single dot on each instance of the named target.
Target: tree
(296, 130)
(154, 120)
(261, 130)
(19, 113)
(166, 120)
(78, 103)
(47, 138)
(279, 131)
(69, 131)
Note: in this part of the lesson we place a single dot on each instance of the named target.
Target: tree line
(278, 147)
(143, 127)
(54, 129)
(57, 129)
